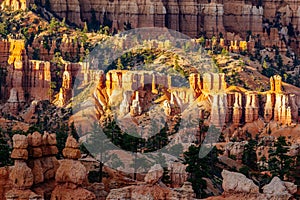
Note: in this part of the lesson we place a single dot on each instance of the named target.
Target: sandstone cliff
(190, 17)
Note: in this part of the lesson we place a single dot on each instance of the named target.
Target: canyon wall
(133, 91)
(269, 21)
(190, 17)
(26, 80)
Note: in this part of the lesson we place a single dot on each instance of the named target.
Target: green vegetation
(280, 163)
(5, 148)
(198, 168)
(249, 157)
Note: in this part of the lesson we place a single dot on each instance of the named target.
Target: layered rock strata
(227, 105)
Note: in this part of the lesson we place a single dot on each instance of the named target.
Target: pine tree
(249, 157)
(199, 168)
(280, 164)
(98, 144)
(5, 150)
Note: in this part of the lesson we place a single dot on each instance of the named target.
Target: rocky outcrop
(154, 175)
(190, 17)
(5, 182)
(153, 188)
(21, 175)
(71, 175)
(24, 76)
(280, 106)
(32, 176)
(235, 149)
(65, 92)
(236, 182)
(279, 189)
(178, 174)
(15, 4)
(28, 80)
(70, 47)
(154, 192)
(236, 185)
(133, 92)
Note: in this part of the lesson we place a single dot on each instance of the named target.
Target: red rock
(20, 194)
(5, 183)
(20, 154)
(20, 141)
(72, 143)
(71, 171)
(49, 139)
(36, 139)
(37, 170)
(71, 153)
(49, 165)
(61, 193)
(36, 152)
(154, 175)
(52, 139)
(21, 175)
(49, 150)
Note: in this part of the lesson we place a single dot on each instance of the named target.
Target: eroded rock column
(21, 175)
(71, 175)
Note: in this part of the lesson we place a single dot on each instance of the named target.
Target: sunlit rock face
(134, 93)
(190, 17)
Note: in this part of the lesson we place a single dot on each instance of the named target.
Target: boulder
(21, 176)
(19, 154)
(5, 182)
(234, 182)
(154, 175)
(71, 143)
(49, 150)
(50, 166)
(278, 189)
(186, 192)
(71, 171)
(20, 141)
(37, 170)
(61, 192)
(36, 152)
(71, 153)
(49, 139)
(35, 139)
(21, 194)
(98, 190)
(52, 139)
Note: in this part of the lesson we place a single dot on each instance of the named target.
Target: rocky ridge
(234, 19)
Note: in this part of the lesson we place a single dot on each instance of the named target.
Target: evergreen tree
(280, 164)
(3, 74)
(249, 157)
(199, 168)
(98, 145)
(5, 149)
(61, 138)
